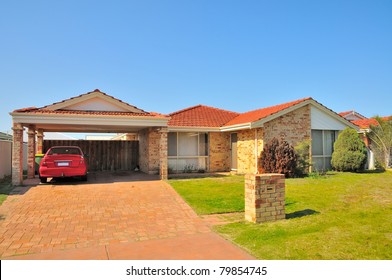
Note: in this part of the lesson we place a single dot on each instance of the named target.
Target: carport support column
(163, 153)
(40, 141)
(31, 152)
(17, 155)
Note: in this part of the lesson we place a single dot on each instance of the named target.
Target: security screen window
(322, 149)
(187, 151)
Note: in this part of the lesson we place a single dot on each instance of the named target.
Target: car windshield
(64, 151)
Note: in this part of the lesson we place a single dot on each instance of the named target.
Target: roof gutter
(235, 127)
(192, 129)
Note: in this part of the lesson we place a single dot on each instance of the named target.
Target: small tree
(303, 158)
(349, 151)
(278, 157)
(381, 140)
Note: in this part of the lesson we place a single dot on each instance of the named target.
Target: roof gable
(201, 116)
(93, 101)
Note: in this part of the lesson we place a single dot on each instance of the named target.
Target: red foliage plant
(278, 157)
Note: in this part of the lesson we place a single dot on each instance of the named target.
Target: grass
(212, 195)
(5, 188)
(337, 216)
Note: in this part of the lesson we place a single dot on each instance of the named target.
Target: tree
(381, 140)
(278, 157)
(349, 151)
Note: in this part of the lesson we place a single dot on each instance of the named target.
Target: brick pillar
(163, 153)
(264, 197)
(40, 141)
(31, 152)
(17, 155)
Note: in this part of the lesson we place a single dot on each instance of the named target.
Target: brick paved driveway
(110, 217)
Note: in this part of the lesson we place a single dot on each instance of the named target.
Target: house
(196, 138)
(203, 136)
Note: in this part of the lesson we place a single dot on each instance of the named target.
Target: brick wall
(249, 146)
(293, 127)
(153, 151)
(264, 197)
(219, 151)
(143, 150)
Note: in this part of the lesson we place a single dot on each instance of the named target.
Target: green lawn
(338, 216)
(212, 195)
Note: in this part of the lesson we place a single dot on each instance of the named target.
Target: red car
(63, 161)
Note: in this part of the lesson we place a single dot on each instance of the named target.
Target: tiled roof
(47, 111)
(77, 112)
(366, 123)
(259, 114)
(5, 136)
(201, 116)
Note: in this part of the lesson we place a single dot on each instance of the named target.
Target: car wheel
(43, 179)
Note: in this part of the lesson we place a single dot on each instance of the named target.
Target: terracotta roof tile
(259, 114)
(342, 114)
(366, 123)
(93, 113)
(201, 116)
(45, 111)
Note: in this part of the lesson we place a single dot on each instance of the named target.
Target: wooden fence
(102, 154)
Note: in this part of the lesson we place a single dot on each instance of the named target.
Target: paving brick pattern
(60, 217)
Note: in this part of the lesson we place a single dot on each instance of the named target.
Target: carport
(95, 112)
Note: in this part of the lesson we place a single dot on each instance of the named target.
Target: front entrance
(233, 146)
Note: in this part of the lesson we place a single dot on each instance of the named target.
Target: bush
(302, 151)
(278, 157)
(349, 152)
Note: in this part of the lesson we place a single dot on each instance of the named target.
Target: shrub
(349, 152)
(302, 151)
(278, 157)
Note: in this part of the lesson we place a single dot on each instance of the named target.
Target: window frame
(176, 158)
(324, 155)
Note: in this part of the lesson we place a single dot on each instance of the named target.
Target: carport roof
(94, 111)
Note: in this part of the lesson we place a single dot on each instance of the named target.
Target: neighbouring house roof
(201, 116)
(366, 123)
(262, 113)
(352, 115)
(5, 136)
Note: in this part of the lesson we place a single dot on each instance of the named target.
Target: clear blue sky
(167, 55)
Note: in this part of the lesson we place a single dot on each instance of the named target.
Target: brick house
(213, 139)
(196, 138)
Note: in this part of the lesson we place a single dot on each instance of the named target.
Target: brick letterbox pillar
(264, 197)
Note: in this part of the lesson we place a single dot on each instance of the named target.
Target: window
(322, 148)
(187, 151)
